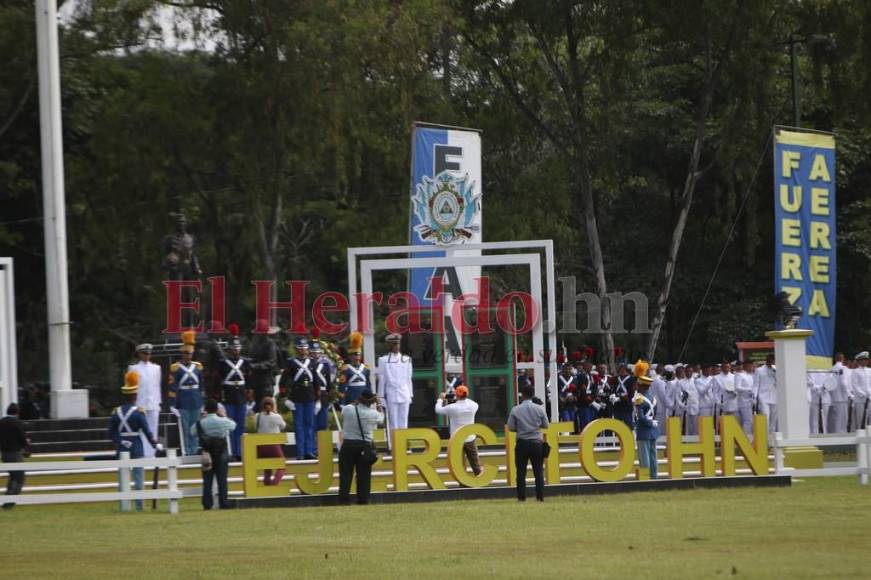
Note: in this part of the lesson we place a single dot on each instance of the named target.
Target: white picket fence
(124, 465)
(861, 440)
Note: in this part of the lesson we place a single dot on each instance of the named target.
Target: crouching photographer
(358, 453)
(460, 411)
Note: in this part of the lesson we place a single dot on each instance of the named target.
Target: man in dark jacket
(13, 445)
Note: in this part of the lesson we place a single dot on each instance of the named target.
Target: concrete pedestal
(69, 404)
(792, 404)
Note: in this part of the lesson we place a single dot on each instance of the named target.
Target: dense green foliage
(282, 129)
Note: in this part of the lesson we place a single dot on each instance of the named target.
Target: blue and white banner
(445, 211)
(805, 245)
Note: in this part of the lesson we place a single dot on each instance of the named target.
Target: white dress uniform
(148, 399)
(860, 381)
(765, 387)
(691, 406)
(744, 385)
(728, 392)
(704, 387)
(659, 393)
(839, 389)
(395, 386)
(820, 401)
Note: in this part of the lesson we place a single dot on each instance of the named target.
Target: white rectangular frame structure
(533, 261)
(8, 352)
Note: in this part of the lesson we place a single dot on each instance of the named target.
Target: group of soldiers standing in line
(839, 399)
(308, 382)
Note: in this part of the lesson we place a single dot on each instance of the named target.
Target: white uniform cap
(669, 368)
(863, 354)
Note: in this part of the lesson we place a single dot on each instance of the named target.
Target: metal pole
(796, 97)
(54, 212)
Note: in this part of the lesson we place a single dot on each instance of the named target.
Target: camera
(450, 397)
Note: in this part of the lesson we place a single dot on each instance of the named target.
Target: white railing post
(172, 479)
(861, 456)
(124, 480)
(778, 453)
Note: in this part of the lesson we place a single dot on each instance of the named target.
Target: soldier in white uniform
(148, 397)
(687, 399)
(765, 388)
(659, 395)
(840, 392)
(746, 398)
(394, 385)
(820, 401)
(860, 380)
(704, 384)
(726, 388)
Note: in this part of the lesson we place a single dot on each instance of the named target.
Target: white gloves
(596, 405)
(317, 407)
(614, 399)
(289, 404)
(655, 423)
(126, 444)
(174, 411)
(159, 447)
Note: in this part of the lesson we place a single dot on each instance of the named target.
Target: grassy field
(816, 528)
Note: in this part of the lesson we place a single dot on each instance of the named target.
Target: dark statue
(179, 259)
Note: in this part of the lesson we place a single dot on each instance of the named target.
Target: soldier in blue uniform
(588, 407)
(186, 385)
(234, 371)
(568, 395)
(125, 426)
(298, 382)
(323, 374)
(355, 376)
(646, 426)
(621, 398)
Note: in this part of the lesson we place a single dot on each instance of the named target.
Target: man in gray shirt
(527, 419)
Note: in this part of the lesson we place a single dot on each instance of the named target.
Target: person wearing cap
(765, 388)
(621, 399)
(686, 400)
(298, 381)
(354, 376)
(527, 420)
(703, 384)
(840, 391)
(324, 377)
(359, 421)
(394, 372)
(860, 380)
(235, 370)
(461, 413)
(265, 360)
(186, 390)
(726, 390)
(149, 397)
(128, 426)
(744, 386)
(646, 424)
(567, 393)
(660, 393)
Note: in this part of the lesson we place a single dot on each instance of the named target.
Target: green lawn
(817, 528)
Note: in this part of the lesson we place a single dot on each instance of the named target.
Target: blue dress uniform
(621, 399)
(353, 381)
(324, 375)
(234, 371)
(299, 382)
(587, 405)
(125, 426)
(646, 432)
(568, 397)
(186, 387)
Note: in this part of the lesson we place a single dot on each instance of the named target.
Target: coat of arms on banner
(446, 207)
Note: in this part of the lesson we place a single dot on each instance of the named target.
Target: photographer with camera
(212, 431)
(358, 453)
(460, 411)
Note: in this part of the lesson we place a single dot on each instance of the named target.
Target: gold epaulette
(198, 364)
(173, 367)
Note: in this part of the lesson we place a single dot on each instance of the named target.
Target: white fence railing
(860, 440)
(124, 465)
